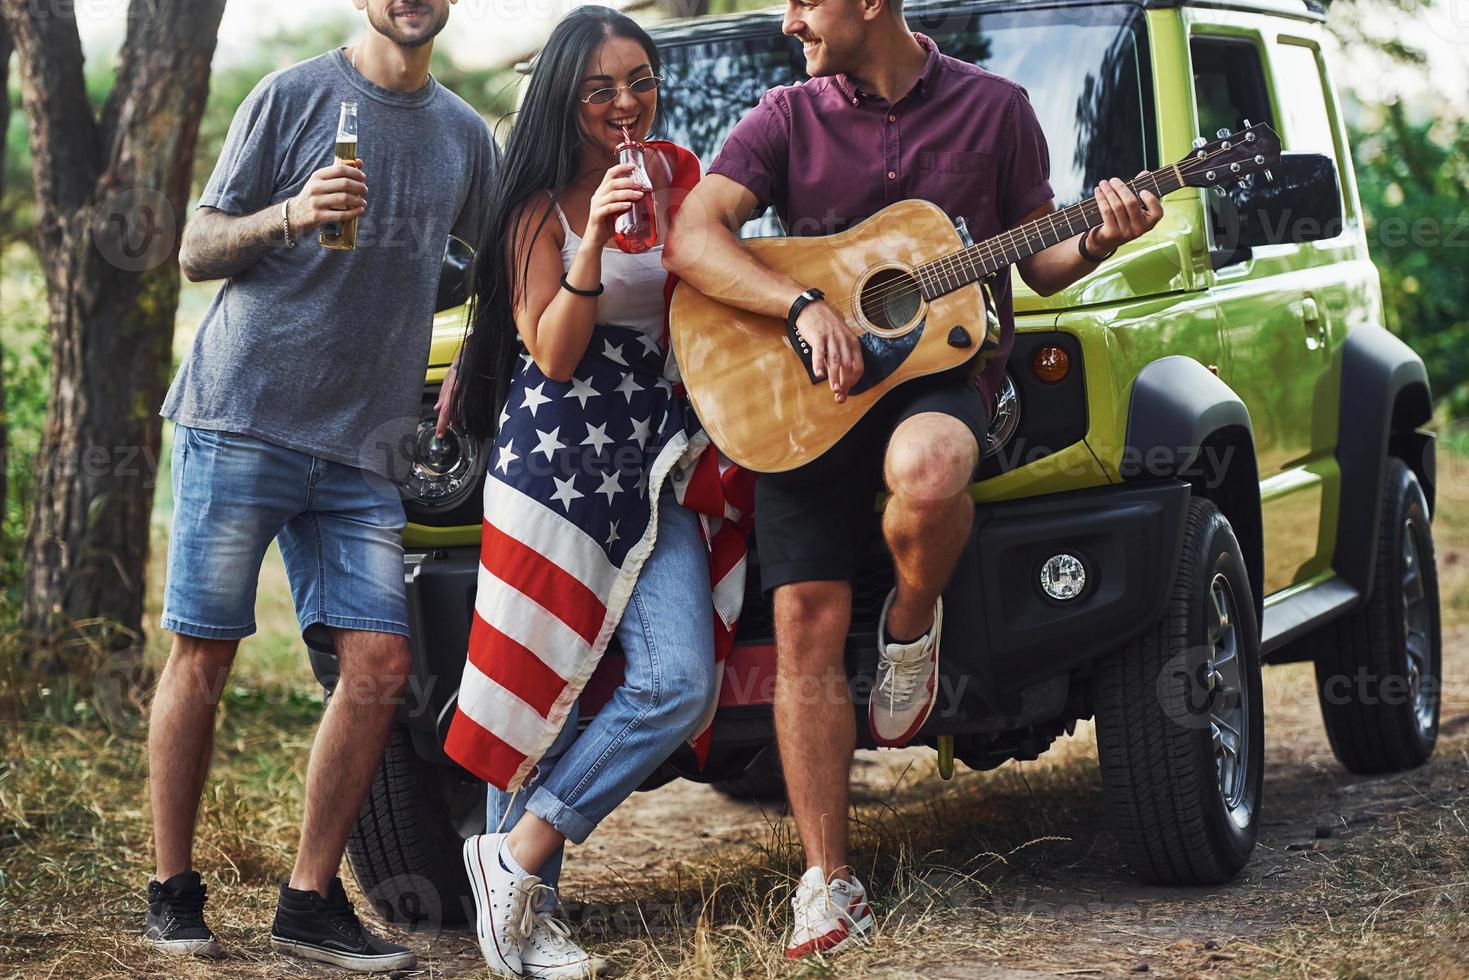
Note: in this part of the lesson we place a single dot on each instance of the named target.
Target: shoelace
(902, 676)
(344, 917)
(559, 939)
(811, 902)
(186, 911)
(524, 897)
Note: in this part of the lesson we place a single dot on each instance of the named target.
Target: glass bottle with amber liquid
(343, 234)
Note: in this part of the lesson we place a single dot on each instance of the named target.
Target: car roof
(753, 21)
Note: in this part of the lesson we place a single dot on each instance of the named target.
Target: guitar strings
(997, 246)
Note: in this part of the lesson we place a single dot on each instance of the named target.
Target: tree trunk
(4, 421)
(110, 195)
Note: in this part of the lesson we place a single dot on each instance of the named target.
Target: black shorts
(813, 523)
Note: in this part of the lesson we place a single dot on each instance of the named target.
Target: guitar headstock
(1254, 149)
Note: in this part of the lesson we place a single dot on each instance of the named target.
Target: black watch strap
(798, 343)
(1086, 253)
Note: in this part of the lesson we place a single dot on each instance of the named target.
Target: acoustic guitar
(911, 288)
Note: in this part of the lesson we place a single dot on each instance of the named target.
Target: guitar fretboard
(983, 258)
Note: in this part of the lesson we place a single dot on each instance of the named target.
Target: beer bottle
(343, 234)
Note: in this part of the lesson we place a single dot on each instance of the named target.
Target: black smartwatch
(802, 301)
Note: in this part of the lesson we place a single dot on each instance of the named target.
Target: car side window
(1229, 84)
(1229, 88)
(1307, 120)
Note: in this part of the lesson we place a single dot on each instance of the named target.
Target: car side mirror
(1301, 204)
(454, 275)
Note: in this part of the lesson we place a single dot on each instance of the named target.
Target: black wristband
(1087, 256)
(601, 287)
(802, 301)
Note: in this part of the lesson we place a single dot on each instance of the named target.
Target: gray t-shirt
(324, 351)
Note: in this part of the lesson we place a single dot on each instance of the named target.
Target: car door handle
(1314, 327)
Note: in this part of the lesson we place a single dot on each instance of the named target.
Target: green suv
(1207, 457)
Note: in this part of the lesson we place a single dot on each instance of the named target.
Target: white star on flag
(613, 352)
(565, 492)
(534, 399)
(610, 486)
(526, 361)
(629, 386)
(612, 537)
(504, 414)
(597, 437)
(650, 344)
(508, 455)
(548, 442)
(581, 391)
(641, 429)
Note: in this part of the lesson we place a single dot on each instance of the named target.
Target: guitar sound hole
(891, 299)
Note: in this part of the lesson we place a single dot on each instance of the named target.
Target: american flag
(574, 477)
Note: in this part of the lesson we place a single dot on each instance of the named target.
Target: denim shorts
(339, 529)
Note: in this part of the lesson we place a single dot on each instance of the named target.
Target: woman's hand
(616, 194)
(445, 405)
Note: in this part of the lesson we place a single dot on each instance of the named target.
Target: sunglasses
(640, 86)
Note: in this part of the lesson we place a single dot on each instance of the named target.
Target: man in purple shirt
(885, 117)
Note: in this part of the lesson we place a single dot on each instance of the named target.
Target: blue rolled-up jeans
(667, 636)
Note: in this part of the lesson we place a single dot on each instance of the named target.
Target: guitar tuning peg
(1218, 190)
(1222, 133)
(1199, 142)
(1247, 124)
(1270, 176)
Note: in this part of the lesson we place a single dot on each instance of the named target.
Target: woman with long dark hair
(585, 534)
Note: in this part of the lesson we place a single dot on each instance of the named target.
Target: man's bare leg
(814, 724)
(348, 748)
(181, 742)
(929, 462)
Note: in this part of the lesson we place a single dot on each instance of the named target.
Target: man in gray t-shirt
(298, 397)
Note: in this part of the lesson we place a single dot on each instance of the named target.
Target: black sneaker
(176, 917)
(327, 929)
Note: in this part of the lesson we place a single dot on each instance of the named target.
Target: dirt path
(1331, 844)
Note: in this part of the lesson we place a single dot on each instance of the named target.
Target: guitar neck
(982, 259)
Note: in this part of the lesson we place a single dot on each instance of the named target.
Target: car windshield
(1084, 68)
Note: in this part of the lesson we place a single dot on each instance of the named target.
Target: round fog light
(1063, 576)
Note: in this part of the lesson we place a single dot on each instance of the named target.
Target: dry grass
(993, 872)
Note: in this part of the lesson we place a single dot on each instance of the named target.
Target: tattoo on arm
(218, 245)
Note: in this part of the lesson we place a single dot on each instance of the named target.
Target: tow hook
(946, 756)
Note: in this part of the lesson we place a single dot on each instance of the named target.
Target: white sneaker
(827, 916)
(551, 953)
(504, 904)
(907, 681)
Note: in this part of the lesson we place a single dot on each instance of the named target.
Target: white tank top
(633, 296)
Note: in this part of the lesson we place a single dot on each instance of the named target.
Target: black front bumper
(1003, 637)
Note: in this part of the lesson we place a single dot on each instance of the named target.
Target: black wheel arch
(1184, 422)
(1384, 399)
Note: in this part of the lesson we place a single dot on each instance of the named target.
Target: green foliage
(23, 335)
(1413, 178)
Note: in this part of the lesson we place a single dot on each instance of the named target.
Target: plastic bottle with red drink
(636, 229)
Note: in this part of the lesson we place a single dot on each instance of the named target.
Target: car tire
(762, 781)
(1378, 668)
(405, 847)
(1180, 731)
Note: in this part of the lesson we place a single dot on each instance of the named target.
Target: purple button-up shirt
(827, 155)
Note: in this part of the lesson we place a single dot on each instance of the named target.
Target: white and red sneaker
(907, 681)
(504, 904)
(551, 953)
(828, 917)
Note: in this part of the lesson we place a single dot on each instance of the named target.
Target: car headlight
(1004, 416)
(445, 470)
